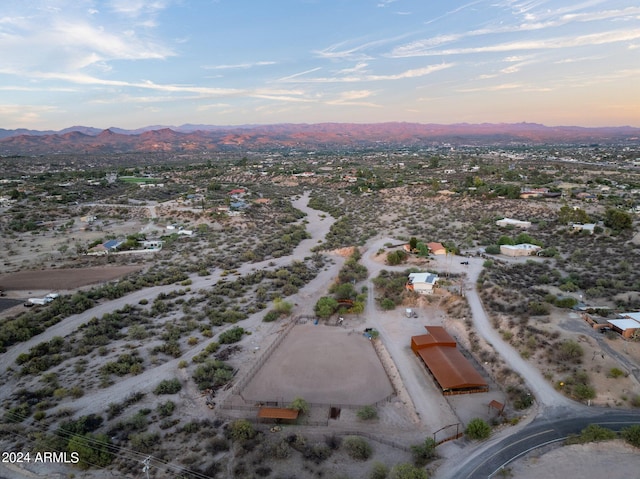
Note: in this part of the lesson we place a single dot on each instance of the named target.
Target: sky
(134, 63)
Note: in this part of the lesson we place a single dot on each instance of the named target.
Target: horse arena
(323, 365)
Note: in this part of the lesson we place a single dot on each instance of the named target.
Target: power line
(117, 451)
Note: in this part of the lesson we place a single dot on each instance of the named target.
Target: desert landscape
(300, 300)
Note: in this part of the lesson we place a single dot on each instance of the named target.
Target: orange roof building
(451, 370)
(277, 413)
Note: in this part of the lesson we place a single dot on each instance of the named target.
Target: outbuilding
(448, 366)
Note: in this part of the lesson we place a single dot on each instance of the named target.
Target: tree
(325, 307)
(617, 220)
(413, 243)
(300, 405)
(478, 429)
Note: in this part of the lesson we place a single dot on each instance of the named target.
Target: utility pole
(147, 466)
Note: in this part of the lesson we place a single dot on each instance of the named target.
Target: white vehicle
(39, 301)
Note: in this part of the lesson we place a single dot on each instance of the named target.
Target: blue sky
(132, 63)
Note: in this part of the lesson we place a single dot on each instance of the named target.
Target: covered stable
(451, 370)
(277, 414)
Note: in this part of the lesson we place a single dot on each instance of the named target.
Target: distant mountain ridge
(196, 138)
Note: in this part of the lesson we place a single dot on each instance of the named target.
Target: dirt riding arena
(323, 365)
(62, 279)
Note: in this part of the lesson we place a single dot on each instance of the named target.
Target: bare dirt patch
(62, 279)
(613, 460)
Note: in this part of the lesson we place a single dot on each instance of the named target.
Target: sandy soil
(611, 460)
(322, 364)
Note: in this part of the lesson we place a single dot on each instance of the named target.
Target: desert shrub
(93, 450)
(407, 471)
(569, 350)
(396, 257)
(592, 433)
(241, 430)
(378, 471)
(425, 452)
(144, 442)
(212, 373)
(333, 441)
(367, 413)
(357, 448)
(217, 444)
(478, 429)
(271, 316)
(615, 373)
(631, 434)
(168, 386)
(387, 304)
(232, 335)
(166, 409)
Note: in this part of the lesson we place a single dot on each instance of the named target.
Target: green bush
(592, 433)
(631, 434)
(168, 386)
(232, 335)
(478, 429)
(241, 430)
(407, 471)
(271, 316)
(300, 405)
(367, 413)
(357, 448)
(425, 452)
(379, 471)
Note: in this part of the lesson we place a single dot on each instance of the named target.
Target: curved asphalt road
(487, 460)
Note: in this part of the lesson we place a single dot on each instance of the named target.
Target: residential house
(436, 248)
(511, 222)
(523, 249)
(422, 283)
(587, 227)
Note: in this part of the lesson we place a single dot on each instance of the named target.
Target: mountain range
(321, 136)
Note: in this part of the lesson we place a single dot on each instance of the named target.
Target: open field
(62, 279)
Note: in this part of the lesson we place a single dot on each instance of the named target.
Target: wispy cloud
(353, 98)
(411, 73)
(243, 66)
(592, 39)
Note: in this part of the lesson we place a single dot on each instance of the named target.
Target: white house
(422, 283)
(588, 227)
(511, 222)
(523, 249)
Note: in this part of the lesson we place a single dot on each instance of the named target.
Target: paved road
(486, 460)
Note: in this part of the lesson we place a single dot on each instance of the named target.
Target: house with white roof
(523, 249)
(422, 283)
(627, 325)
(511, 222)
